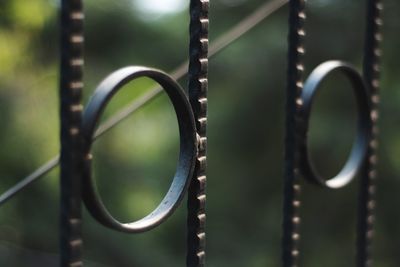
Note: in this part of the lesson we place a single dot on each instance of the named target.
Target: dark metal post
(198, 85)
(372, 55)
(71, 140)
(291, 217)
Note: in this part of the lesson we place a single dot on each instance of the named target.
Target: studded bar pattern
(372, 56)
(72, 143)
(198, 84)
(295, 167)
(292, 187)
(70, 104)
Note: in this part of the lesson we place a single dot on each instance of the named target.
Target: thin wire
(218, 45)
(44, 169)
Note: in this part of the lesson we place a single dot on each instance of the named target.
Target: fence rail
(79, 129)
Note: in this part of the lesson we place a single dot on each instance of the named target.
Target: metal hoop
(188, 148)
(360, 145)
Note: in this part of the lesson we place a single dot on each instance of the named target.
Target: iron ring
(364, 124)
(187, 156)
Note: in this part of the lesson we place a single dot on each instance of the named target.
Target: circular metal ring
(187, 156)
(360, 145)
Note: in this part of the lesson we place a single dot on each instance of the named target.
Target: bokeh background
(135, 162)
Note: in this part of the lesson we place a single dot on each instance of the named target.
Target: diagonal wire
(218, 45)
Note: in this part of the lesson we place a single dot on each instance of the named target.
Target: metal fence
(79, 128)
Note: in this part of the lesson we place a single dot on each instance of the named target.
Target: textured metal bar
(291, 217)
(71, 140)
(198, 85)
(372, 56)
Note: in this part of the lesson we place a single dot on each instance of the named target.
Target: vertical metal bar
(291, 201)
(372, 55)
(198, 85)
(71, 141)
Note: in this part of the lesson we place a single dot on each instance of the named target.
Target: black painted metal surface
(76, 137)
(291, 205)
(371, 73)
(188, 148)
(77, 181)
(198, 86)
(360, 146)
(362, 158)
(71, 135)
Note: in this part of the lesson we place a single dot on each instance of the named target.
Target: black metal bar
(198, 85)
(371, 67)
(292, 187)
(71, 86)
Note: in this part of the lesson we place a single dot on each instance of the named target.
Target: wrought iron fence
(79, 129)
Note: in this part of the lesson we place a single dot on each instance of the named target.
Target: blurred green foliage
(135, 162)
